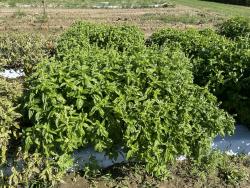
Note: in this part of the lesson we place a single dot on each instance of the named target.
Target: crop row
(107, 87)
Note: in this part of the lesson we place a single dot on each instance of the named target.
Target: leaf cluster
(219, 63)
(32, 170)
(23, 51)
(235, 27)
(9, 117)
(82, 34)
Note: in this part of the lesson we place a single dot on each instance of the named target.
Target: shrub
(218, 63)
(83, 34)
(32, 170)
(235, 27)
(237, 93)
(22, 51)
(243, 42)
(208, 51)
(17, 167)
(9, 124)
(143, 101)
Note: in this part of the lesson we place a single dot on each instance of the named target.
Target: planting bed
(101, 94)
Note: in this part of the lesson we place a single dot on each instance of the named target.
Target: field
(151, 80)
(198, 14)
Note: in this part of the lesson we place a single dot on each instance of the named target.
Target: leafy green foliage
(238, 96)
(205, 48)
(33, 170)
(22, 51)
(110, 96)
(219, 63)
(104, 88)
(83, 34)
(9, 124)
(235, 27)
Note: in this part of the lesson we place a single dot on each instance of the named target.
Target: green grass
(226, 9)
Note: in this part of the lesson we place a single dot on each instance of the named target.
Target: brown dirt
(60, 19)
(134, 177)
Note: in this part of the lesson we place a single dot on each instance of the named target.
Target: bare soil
(135, 177)
(32, 20)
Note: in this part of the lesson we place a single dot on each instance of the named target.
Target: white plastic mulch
(238, 143)
(84, 156)
(11, 73)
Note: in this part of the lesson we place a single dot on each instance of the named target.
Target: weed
(19, 13)
(41, 18)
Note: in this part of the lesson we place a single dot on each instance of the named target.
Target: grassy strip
(226, 9)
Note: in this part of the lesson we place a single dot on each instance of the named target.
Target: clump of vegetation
(111, 96)
(83, 34)
(41, 18)
(205, 48)
(228, 169)
(218, 63)
(22, 51)
(235, 27)
(31, 170)
(9, 117)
